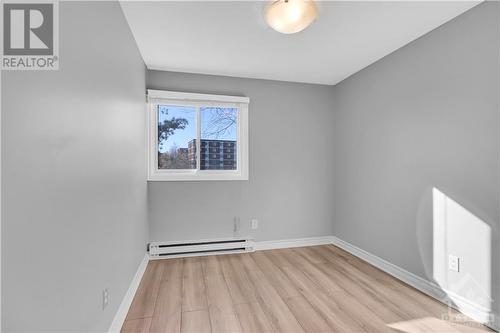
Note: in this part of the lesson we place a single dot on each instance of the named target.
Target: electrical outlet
(255, 224)
(453, 263)
(105, 298)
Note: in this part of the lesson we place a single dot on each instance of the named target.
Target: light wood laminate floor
(307, 289)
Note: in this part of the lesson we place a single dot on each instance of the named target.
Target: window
(197, 136)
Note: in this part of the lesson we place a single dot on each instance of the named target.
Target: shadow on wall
(456, 247)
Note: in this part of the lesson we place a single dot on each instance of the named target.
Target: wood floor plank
(310, 255)
(312, 272)
(273, 305)
(211, 265)
(277, 277)
(243, 261)
(300, 281)
(308, 318)
(361, 265)
(136, 326)
(369, 296)
(239, 285)
(253, 319)
(294, 258)
(167, 314)
(310, 289)
(358, 312)
(248, 261)
(392, 295)
(193, 286)
(145, 298)
(425, 324)
(342, 254)
(222, 313)
(196, 322)
(320, 252)
(332, 313)
(278, 258)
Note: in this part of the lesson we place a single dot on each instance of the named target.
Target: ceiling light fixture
(290, 16)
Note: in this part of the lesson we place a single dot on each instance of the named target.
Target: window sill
(163, 177)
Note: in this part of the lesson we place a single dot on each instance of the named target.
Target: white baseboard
(121, 314)
(286, 243)
(466, 307)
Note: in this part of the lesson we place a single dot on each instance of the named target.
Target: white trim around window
(197, 101)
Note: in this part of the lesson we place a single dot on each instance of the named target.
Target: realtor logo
(30, 36)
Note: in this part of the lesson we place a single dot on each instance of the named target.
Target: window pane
(219, 132)
(176, 137)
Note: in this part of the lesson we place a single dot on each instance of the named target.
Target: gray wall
(291, 181)
(74, 192)
(423, 117)
(73, 168)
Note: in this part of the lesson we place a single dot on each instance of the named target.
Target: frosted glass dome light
(290, 16)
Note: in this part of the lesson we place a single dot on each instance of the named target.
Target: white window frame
(156, 97)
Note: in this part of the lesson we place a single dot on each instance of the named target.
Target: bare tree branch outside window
(220, 123)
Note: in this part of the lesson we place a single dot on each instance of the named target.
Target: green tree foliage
(168, 127)
(171, 159)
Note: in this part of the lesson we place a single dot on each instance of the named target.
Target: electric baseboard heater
(176, 249)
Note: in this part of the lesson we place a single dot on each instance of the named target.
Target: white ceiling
(231, 38)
